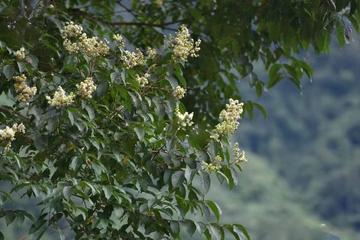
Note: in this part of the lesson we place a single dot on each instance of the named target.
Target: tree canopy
(116, 110)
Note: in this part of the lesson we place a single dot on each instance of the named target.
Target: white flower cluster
(71, 30)
(228, 119)
(24, 92)
(239, 155)
(151, 53)
(210, 167)
(93, 47)
(213, 166)
(71, 47)
(86, 88)
(184, 119)
(60, 98)
(159, 3)
(183, 45)
(76, 41)
(20, 54)
(133, 59)
(179, 92)
(119, 39)
(143, 80)
(7, 135)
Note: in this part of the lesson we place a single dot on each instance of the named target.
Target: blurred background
(303, 174)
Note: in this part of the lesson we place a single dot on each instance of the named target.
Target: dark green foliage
(118, 165)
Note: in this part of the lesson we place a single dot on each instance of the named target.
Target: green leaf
(21, 67)
(75, 163)
(189, 226)
(187, 174)
(215, 232)
(67, 190)
(140, 133)
(205, 180)
(102, 89)
(175, 228)
(259, 88)
(207, 234)
(71, 117)
(261, 109)
(107, 191)
(117, 77)
(305, 67)
(8, 71)
(215, 209)
(340, 33)
(9, 217)
(332, 3)
(37, 225)
(117, 156)
(199, 140)
(274, 75)
(177, 178)
(229, 175)
(90, 111)
(230, 228)
(180, 76)
(33, 60)
(243, 230)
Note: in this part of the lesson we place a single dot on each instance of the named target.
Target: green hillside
(312, 137)
(268, 207)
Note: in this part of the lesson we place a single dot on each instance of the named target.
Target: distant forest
(309, 148)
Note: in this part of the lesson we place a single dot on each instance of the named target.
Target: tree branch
(8, 110)
(125, 23)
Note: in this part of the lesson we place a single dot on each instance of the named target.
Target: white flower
(239, 155)
(119, 39)
(24, 92)
(143, 80)
(20, 54)
(183, 46)
(93, 47)
(71, 47)
(7, 135)
(218, 158)
(228, 119)
(179, 92)
(133, 59)
(86, 88)
(71, 30)
(60, 98)
(159, 3)
(210, 167)
(19, 127)
(76, 41)
(151, 53)
(184, 119)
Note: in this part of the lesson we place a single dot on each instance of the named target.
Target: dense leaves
(101, 140)
(128, 163)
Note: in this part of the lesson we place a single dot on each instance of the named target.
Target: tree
(98, 131)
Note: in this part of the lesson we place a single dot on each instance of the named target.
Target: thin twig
(125, 23)
(11, 111)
